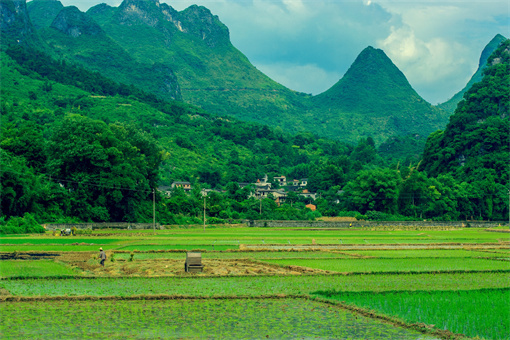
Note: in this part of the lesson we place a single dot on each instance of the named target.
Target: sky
(308, 45)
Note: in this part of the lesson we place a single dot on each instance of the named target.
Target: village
(261, 189)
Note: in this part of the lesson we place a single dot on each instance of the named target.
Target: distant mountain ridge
(371, 77)
(451, 104)
(188, 55)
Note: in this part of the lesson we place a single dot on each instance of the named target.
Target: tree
(107, 169)
(376, 189)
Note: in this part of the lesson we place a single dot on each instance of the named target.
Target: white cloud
(430, 66)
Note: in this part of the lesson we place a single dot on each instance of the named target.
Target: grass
(482, 313)
(50, 248)
(252, 286)
(192, 319)
(235, 236)
(395, 264)
(58, 240)
(43, 268)
(425, 253)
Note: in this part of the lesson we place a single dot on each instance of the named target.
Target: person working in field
(102, 256)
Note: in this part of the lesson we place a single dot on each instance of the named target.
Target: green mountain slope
(15, 24)
(43, 12)
(188, 55)
(377, 99)
(451, 104)
(197, 146)
(71, 140)
(211, 72)
(74, 36)
(475, 143)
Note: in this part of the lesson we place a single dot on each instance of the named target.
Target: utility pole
(204, 213)
(154, 211)
(260, 210)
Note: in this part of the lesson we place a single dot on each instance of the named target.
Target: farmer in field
(102, 256)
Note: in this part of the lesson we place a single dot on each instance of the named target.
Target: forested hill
(475, 145)
(188, 55)
(78, 146)
(376, 96)
(172, 54)
(451, 104)
(74, 143)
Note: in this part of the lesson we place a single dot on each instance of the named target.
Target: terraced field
(258, 283)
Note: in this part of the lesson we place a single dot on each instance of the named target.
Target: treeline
(75, 152)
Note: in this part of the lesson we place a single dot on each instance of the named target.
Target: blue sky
(308, 45)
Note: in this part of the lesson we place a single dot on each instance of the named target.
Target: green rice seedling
(37, 268)
(430, 253)
(253, 286)
(475, 313)
(368, 265)
(188, 318)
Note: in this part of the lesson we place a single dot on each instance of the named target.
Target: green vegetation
(408, 253)
(414, 265)
(252, 286)
(77, 146)
(474, 147)
(20, 225)
(195, 59)
(359, 96)
(451, 104)
(403, 285)
(472, 317)
(42, 268)
(193, 319)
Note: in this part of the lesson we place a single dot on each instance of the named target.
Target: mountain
(76, 37)
(188, 55)
(146, 40)
(378, 99)
(476, 142)
(15, 24)
(194, 43)
(451, 103)
(74, 143)
(43, 12)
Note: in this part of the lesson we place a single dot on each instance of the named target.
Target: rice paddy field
(257, 283)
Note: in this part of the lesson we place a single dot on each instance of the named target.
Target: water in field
(190, 319)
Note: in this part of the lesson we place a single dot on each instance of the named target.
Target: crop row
(251, 286)
(482, 313)
(427, 253)
(193, 319)
(23, 268)
(265, 235)
(368, 265)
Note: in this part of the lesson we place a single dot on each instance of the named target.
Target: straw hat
(100, 248)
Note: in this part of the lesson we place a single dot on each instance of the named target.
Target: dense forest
(76, 146)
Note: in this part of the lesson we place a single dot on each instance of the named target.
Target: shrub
(22, 225)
